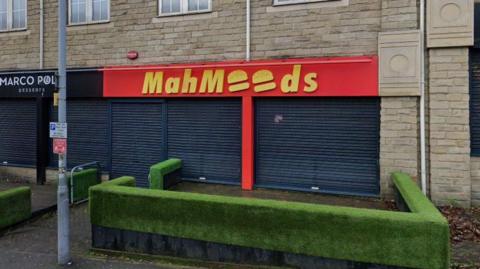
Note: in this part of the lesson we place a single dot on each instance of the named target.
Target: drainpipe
(423, 159)
(247, 34)
(41, 36)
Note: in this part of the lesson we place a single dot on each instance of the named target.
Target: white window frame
(293, 2)
(183, 9)
(10, 18)
(88, 13)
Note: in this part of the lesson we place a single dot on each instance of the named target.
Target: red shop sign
(346, 76)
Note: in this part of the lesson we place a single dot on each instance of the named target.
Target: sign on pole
(60, 146)
(58, 130)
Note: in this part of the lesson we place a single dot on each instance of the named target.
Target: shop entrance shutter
(18, 132)
(138, 138)
(87, 132)
(475, 101)
(324, 145)
(206, 135)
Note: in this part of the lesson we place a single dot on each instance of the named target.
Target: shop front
(297, 124)
(26, 108)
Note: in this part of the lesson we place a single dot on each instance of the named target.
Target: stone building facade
(388, 29)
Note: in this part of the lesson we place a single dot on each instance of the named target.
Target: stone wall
(399, 128)
(332, 28)
(400, 15)
(20, 49)
(449, 126)
(398, 140)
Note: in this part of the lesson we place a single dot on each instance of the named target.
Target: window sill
(16, 32)
(90, 26)
(306, 5)
(185, 16)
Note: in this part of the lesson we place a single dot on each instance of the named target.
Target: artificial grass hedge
(15, 206)
(413, 240)
(82, 181)
(159, 171)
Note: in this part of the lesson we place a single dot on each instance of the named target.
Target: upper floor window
(88, 11)
(13, 15)
(172, 7)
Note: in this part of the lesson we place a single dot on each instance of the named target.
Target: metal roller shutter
(138, 139)
(18, 132)
(324, 145)
(87, 132)
(206, 135)
(475, 102)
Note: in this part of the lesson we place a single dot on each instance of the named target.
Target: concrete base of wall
(148, 243)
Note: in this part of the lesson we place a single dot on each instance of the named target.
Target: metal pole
(62, 192)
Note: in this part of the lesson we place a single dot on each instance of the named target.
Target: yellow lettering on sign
(153, 83)
(311, 84)
(212, 81)
(265, 79)
(189, 83)
(172, 85)
(239, 79)
(290, 81)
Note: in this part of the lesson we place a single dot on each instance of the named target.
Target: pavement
(33, 245)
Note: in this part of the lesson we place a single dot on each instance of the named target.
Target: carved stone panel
(399, 63)
(449, 23)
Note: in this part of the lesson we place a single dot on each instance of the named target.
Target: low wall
(417, 239)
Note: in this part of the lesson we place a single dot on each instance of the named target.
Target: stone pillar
(449, 126)
(398, 140)
(399, 42)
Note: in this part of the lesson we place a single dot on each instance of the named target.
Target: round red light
(132, 55)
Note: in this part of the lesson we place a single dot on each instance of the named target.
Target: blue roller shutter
(87, 132)
(206, 135)
(324, 145)
(475, 101)
(138, 138)
(18, 131)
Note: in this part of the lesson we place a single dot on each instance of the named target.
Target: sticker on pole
(59, 146)
(58, 130)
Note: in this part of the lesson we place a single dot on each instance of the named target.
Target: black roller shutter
(87, 132)
(18, 132)
(138, 139)
(324, 145)
(206, 135)
(475, 102)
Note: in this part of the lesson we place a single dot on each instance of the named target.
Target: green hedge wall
(159, 171)
(15, 206)
(383, 237)
(82, 181)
